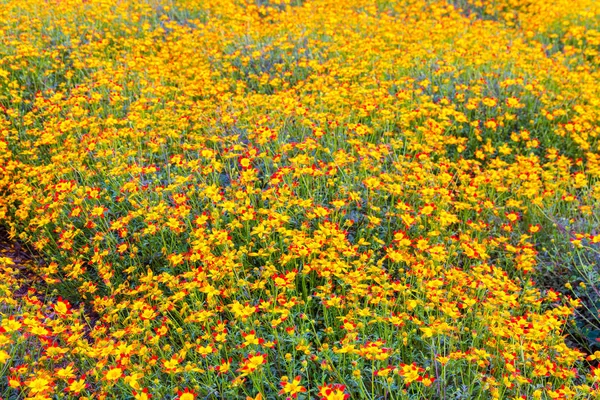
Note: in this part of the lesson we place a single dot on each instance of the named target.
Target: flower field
(319, 199)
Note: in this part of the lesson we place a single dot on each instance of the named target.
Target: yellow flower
(114, 374)
(39, 385)
(4, 357)
(291, 388)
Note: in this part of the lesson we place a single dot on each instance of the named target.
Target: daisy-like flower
(291, 388)
(333, 392)
(252, 363)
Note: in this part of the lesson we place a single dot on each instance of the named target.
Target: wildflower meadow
(299, 199)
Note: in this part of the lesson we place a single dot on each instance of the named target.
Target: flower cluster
(298, 199)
